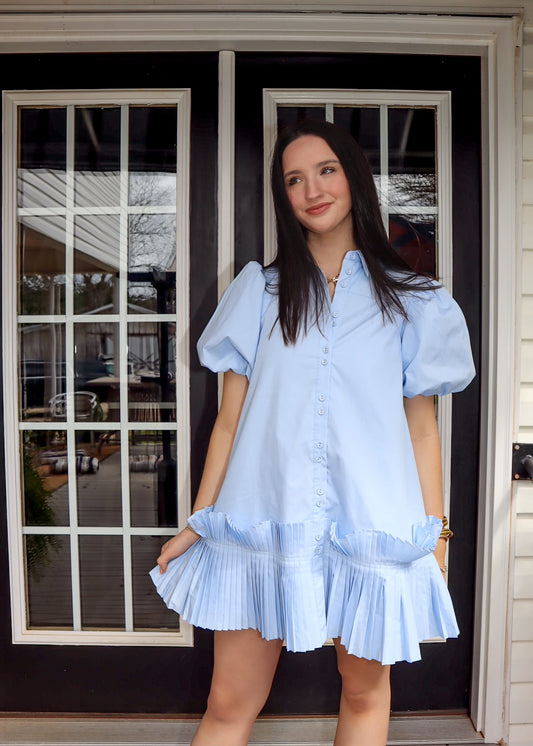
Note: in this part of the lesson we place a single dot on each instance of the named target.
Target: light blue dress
(319, 529)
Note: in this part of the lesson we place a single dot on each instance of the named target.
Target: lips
(318, 209)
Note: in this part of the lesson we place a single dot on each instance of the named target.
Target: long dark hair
(300, 282)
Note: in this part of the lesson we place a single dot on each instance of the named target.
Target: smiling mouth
(318, 209)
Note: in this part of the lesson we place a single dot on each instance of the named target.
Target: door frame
(498, 42)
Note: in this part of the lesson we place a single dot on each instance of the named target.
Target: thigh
(245, 665)
(359, 673)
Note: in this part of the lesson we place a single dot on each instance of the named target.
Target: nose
(312, 188)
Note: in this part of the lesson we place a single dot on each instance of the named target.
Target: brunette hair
(300, 283)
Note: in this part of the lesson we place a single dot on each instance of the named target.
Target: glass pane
(97, 156)
(98, 479)
(45, 478)
(49, 587)
(101, 582)
(152, 361)
(42, 157)
(412, 157)
(291, 114)
(153, 478)
(96, 264)
(41, 248)
(149, 611)
(152, 264)
(413, 237)
(96, 357)
(152, 155)
(42, 371)
(363, 125)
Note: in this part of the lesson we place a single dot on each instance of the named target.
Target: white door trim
(495, 40)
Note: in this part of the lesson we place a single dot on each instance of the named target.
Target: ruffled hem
(380, 594)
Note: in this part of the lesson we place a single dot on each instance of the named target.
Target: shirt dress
(319, 530)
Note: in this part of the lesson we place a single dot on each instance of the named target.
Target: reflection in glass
(153, 480)
(413, 237)
(41, 371)
(101, 582)
(49, 596)
(45, 478)
(152, 264)
(149, 612)
(97, 156)
(152, 381)
(97, 382)
(288, 115)
(96, 264)
(363, 124)
(412, 157)
(42, 157)
(152, 155)
(98, 478)
(41, 247)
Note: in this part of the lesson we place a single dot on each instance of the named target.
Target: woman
(319, 510)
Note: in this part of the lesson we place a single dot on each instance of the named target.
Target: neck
(329, 250)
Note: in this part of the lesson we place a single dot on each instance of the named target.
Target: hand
(440, 556)
(175, 547)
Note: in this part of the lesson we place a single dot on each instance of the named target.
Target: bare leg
(245, 665)
(365, 701)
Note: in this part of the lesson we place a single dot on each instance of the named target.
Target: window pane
(101, 582)
(412, 157)
(97, 397)
(363, 125)
(45, 478)
(413, 237)
(42, 157)
(153, 478)
(149, 611)
(152, 155)
(96, 264)
(288, 115)
(97, 156)
(41, 248)
(42, 371)
(152, 264)
(49, 581)
(152, 361)
(98, 479)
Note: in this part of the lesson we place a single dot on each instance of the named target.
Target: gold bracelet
(443, 569)
(446, 532)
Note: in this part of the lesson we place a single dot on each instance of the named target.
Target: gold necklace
(334, 280)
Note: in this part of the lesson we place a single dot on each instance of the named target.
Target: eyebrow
(317, 165)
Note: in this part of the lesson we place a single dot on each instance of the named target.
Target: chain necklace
(334, 280)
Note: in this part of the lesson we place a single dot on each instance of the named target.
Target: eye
(328, 170)
(293, 180)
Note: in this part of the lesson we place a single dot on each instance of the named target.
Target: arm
(420, 413)
(216, 462)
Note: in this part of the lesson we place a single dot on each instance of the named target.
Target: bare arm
(216, 462)
(420, 413)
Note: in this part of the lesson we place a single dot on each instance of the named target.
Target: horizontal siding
(521, 735)
(524, 498)
(522, 662)
(521, 703)
(523, 621)
(524, 538)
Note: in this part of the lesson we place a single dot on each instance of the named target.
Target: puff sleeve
(436, 353)
(229, 341)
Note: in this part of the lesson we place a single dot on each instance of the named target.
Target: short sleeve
(436, 352)
(229, 341)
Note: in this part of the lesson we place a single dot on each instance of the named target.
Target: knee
(365, 686)
(361, 700)
(225, 706)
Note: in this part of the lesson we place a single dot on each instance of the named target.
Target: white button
(352, 254)
(318, 503)
(318, 458)
(343, 284)
(320, 491)
(336, 315)
(318, 537)
(317, 550)
(325, 350)
(324, 362)
(319, 445)
(321, 411)
(348, 271)
(321, 397)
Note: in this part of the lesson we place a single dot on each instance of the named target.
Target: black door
(441, 681)
(154, 679)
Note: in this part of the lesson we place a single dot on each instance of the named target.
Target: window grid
(70, 211)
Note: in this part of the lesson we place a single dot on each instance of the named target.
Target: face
(317, 186)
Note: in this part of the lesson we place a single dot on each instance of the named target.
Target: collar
(357, 255)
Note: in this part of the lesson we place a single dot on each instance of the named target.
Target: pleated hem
(379, 594)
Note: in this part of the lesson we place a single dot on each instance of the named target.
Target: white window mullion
(123, 343)
(330, 113)
(384, 163)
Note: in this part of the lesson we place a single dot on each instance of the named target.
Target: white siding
(521, 674)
